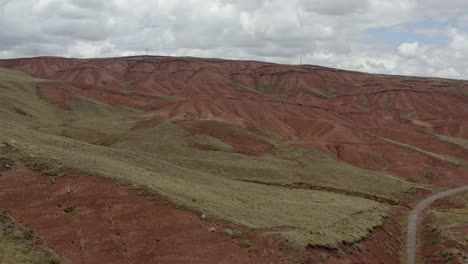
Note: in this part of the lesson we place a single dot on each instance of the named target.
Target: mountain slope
(347, 115)
(319, 155)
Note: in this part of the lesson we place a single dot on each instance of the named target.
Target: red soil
(435, 246)
(241, 143)
(339, 112)
(381, 246)
(61, 95)
(55, 94)
(111, 223)
(434, 243)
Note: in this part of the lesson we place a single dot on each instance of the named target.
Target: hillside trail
(413, 220)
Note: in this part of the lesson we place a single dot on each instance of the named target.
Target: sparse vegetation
(274, 92)
(18, 245)
(5, 163)
(245, 243)
(316, 92)
(454, 160)
(211, 143)
(407, 115)
(428, 174)
(449, 223)
(323, 256)
(243, 240)
(339, 253)
(82, 134)
(202, 180)
(269, 89)
(457, 141)
(69, 208)
(319, 169)
(22, 112)
(362, 107)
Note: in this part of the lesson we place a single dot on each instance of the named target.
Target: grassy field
(457, 141)
(96, 138)
(210, 143)
(18, 246)
(450, 223)
(454, 160)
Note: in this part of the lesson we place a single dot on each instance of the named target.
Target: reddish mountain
(360, 118)
(174, 127)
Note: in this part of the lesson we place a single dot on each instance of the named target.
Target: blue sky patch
(412, 32)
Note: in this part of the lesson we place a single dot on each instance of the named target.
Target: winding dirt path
(413, 220)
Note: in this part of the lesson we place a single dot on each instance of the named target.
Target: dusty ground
(382, 246)
(85, 219)
(20, 245)
(444, 231)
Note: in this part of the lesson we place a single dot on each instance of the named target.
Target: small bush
(3, 217)
(245, 243)
(408, 115)
(28, 234)
(54, 260)
(69, 208)
(339, 253)
(428, 174)
(237, 234)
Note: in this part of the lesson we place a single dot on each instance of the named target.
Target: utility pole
(300, 60)
(146, 51)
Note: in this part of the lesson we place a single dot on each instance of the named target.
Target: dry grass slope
(211, 143)
(451, 223)
(454, 160)
(17, 245)
(457, 141)
(210, 181)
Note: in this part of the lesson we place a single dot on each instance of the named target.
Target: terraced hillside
(322, 158)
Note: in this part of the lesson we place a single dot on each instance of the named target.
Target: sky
(407, 37)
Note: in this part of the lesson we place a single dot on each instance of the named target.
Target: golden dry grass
(457, 141)
(211, 143)
(452, 223)
(454, 160)
(211, 181)
(17, 245)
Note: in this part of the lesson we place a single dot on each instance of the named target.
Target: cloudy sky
(411, 37)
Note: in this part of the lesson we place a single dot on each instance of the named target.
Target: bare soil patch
(93, 220)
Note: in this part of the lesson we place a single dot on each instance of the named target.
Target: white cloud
(330, 33)
(335, 8)
(409, 49)
(450, 72)
(459, 41)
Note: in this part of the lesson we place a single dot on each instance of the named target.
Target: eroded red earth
(87, 219)
(342, 113)
(436, 245)
(381, 246)
(438, 248)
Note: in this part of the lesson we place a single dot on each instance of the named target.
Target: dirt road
(413, 220)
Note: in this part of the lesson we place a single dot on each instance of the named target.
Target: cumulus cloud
(397, 37)
(334, 8)
(409, 49)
